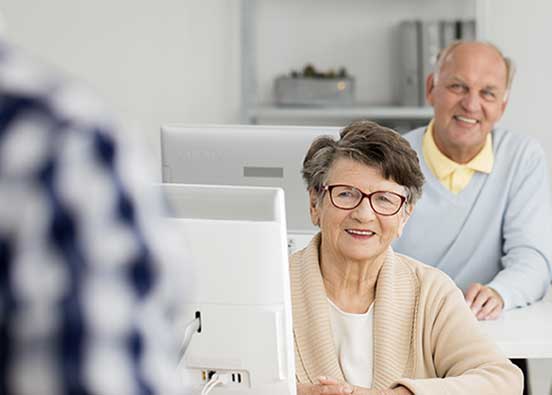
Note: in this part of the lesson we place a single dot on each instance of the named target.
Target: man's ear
(313, 208)
(430, 85)
(407, 212)
(504, 105)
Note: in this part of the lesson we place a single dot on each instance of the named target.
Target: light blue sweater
(497, 231)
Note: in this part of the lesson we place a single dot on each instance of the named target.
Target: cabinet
(362, 36)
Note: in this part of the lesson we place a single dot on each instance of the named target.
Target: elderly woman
(367, 320)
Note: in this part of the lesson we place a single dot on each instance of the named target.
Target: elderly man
(484, 217)
(485, 214)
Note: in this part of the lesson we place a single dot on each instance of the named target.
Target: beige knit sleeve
(456, 352)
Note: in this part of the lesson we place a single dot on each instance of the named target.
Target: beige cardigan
(425, 336)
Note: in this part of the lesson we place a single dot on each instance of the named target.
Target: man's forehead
(473, 53)
(476, 61)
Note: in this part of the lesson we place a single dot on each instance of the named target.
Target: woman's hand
(325, 386)
(330, 386)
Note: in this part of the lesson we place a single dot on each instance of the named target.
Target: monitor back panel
(267, 156)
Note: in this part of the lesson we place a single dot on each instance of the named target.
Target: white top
(353, 336)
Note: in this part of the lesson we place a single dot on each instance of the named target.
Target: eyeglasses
(347, 197)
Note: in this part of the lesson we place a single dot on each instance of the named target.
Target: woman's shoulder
(428, 277)
(309, 252)
(435, 289)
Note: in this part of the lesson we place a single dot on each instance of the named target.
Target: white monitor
(236, 237)
(252, 155)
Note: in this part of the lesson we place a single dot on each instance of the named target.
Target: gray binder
(467, 30)
(448, 33)
(430, 46)
(420, 43)
(409, 87)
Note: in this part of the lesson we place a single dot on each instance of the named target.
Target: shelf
(379, 80)
(354, 112)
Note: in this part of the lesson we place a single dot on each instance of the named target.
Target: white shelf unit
(353, 112)
(401, 119)
(255, 102)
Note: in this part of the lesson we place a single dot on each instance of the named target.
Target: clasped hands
(330, 386)
(484, 302)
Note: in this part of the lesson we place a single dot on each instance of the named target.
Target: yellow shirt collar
(443, 166)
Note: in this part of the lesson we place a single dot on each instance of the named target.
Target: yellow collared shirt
(455, 176)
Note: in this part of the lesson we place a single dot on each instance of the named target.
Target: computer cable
(215, 380)
(191, 328)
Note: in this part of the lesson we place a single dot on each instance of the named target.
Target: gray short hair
(370, 144)
(445, 52)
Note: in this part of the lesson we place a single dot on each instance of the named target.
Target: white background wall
(153, 61)
(523, 30)
(178, 60)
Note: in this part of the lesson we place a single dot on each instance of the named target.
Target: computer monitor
(236, 237)
(252, 155)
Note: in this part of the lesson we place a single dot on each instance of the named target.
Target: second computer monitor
(247, 155)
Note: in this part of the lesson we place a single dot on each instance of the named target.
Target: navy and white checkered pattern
(81, 307)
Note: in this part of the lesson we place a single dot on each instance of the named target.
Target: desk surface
(524, 333)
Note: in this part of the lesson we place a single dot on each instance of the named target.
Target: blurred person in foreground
(367, 320)
(485, 215)
(84, 261)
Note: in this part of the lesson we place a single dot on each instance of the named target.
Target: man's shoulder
(414, 137)
(513, 139)
(508, 143)
(415, 133)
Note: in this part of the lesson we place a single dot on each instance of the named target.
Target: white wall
(178, 60)
(154, 62)
(523, 30)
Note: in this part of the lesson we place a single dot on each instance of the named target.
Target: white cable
(191, 328)
(212, 383)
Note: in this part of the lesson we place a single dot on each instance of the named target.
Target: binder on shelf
(430, 47)
(420, 44)
(449, 33)
(409, 89)
(467, 30)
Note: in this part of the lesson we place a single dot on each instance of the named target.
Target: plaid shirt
(83, 300)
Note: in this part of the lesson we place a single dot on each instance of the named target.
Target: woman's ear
(313, 208)
(407, 212)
